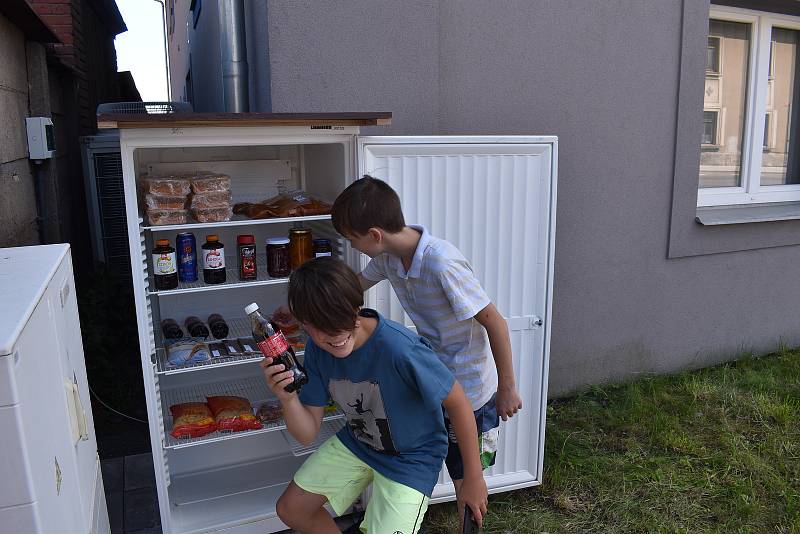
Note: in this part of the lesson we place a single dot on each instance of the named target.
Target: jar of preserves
(301, 248)
(322, 247)
(278, 262)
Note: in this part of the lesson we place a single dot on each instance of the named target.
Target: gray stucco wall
(17, 194)
(605, 77)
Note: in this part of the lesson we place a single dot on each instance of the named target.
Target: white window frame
(751, 191)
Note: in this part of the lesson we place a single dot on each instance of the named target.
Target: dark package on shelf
(233, 414)
(191, 420)
(248, 345)
(187, 350)
(269, 411)
(233, 347)
(217, 350)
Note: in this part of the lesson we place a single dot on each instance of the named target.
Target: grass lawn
(715, 450)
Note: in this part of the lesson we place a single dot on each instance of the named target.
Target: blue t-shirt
(391, 390)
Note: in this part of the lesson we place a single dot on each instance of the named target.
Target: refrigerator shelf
(231, 279)
(237, 220)
(238, 327)
(326, 430)
(254, 389)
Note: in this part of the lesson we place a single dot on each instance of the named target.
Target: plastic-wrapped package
(212, 214)
(191, 420)
(216, 199)
(165, 202)
(161, 217)
(270, 411)
(172, 186)
(209, 183)
(291, 204)
(233, 414)
(187, 350)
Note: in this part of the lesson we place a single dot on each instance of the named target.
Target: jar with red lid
(278, 262)
(246, 249)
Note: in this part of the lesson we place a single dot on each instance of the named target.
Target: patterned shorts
(488, 423)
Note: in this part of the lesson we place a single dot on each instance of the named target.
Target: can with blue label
(187, 256)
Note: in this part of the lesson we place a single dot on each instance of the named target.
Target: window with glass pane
(779, 166)
(726, 93)
(709, 127)
(766, 131)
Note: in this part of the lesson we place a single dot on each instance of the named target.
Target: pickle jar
(301, 247)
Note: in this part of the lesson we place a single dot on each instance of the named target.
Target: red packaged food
(212, 214)
(209, 183)
(165, 202)
(233, 414)
(173, 186)
(161, 217)
(191, 420)
(217, 199)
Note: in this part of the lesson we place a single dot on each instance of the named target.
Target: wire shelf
(253, 389)
(238, 327)
(231, 279)
(236, 220)
(328, 429)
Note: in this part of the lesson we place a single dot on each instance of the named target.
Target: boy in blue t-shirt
(392, 388)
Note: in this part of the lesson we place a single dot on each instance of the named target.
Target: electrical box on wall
(41, 138)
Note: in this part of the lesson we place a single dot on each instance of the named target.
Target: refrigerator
(494, 197)
(51, 478)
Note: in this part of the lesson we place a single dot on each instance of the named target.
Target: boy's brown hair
(325, 293)
(367, 203)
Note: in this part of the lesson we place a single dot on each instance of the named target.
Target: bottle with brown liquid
(273, 345)
(165, 268)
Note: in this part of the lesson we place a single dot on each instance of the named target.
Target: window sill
(750, 213)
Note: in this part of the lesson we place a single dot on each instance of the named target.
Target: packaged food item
(164, 202)
(212, 214)
(186, 350)
(171, 186)
(248, 345)
(233, 414)
(196, 327)
(252, 211)
(233, 347)
(211, 183)
(301, 248)
(297, 341)
(215, 199)
(285, 321)
(191, 420)
(213, 260)
(218, 326)
(162, 217)
(246, 256)
(170, 329)
(278, 261)
(269, 412)
(330, 408)
(322, 247)
(165, 266)
(292, 204)
(217, 350)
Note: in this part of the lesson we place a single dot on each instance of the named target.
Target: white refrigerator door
(494, 199)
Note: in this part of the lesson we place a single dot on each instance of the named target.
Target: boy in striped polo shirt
(438, 290)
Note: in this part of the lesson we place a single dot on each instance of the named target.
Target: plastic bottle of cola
(275, 346)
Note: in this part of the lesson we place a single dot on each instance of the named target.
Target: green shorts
(337, 474)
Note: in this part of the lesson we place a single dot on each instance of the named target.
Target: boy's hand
(277, 378)
(508, 402)
(475, 495)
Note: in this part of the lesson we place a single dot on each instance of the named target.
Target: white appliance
(50, 471)
(493, 197)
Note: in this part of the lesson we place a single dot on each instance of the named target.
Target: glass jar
(301, 248)
(246, 248)
(322, 247)
(278, 262)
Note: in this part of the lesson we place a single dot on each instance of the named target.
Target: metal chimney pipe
(233, 53)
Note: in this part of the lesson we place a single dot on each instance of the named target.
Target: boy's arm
(508, 401)
(302, 421)
(365, 282)
(473, 489)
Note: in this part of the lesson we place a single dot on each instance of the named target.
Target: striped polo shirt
(442, 296)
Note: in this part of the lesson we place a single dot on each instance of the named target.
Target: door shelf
(254, 389)
(237, 220)
(238, 327)
(231, 279)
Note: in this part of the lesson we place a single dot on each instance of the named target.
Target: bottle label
(321, 254)
(248, 255)
(274, 346)
(164, 263)
(214, 258)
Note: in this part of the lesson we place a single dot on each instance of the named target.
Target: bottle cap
(300, 230)
(277, 241)
(212, 237)
(162, 242)
(245, 239)
(250, 308)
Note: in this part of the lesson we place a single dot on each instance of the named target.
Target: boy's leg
(303, 511)
(488, 423)
(332, 474)
(393, 507)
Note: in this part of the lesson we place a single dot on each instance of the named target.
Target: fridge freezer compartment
(228, 496)
(238, 327)
(253, 388)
